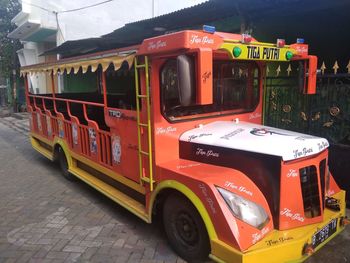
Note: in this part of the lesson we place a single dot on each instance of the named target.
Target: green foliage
(8, 47)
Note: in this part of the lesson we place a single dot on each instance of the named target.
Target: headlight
(245, 210)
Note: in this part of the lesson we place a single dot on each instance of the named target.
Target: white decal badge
(116, 149)
(257, 236)
(207, 153)
(38, 117)
(238, 188)
(93, 142)
(60, 129)
(156, 45)
(292, 173)
(255, 115)
(195, 39)
(293, 216)
(166, 130)
(75, 133)
(48, 125)
(187, 166)
(210, 201)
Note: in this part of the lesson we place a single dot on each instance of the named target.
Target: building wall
(79, 24)
(45, 18)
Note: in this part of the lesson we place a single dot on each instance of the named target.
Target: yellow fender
(172, 184)
(63, 145)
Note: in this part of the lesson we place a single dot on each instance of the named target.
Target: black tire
(185, 229)
(64, 165)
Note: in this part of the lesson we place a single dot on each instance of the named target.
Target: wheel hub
(187, 229)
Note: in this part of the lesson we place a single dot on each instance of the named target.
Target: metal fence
(325, 114)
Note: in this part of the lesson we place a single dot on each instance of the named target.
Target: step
(122, 199)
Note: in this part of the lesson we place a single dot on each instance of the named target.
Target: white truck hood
(256, 138)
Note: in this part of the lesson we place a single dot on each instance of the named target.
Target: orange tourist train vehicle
(174, 129)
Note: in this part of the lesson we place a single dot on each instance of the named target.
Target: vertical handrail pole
(264, 87)
(26, 85)
(104, 86)
(147, 86)
(138, 116)
(53, 92)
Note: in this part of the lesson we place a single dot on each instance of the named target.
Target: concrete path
(45, 218)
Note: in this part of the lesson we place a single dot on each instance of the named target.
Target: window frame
(213, 114)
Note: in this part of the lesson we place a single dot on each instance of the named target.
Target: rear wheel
(185, 229)
(64, 165)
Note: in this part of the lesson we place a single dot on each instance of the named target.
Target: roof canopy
(84, 64)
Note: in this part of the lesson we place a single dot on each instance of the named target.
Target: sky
(105, 18)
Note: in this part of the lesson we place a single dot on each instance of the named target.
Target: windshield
(235, 90)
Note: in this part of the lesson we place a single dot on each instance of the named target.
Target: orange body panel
(123, 128)
(117, 148)
(205, 78)
(180, 40)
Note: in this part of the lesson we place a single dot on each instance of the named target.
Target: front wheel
(185, 229)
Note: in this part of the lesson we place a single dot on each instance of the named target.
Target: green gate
(325, 114)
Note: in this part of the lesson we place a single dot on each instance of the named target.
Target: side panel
(123, 141)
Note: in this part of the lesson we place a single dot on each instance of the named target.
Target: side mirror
(311, 76)
(186, 80)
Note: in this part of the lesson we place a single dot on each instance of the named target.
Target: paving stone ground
(45, 218)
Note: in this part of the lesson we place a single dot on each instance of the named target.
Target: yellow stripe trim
(276, 54)
(125, 201)
(118, 177)
(254, 43)
(109, 191)
(40, 149)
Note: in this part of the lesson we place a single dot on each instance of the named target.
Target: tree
(8, 47)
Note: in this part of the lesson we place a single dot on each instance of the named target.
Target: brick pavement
(17, 121)
(45, 218)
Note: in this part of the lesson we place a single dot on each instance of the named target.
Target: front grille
(323, 164)
(311, 195)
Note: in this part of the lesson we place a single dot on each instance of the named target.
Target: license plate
(324, 233)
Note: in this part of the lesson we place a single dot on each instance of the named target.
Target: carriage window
(120, 85)
(235, 85)
(170, 92)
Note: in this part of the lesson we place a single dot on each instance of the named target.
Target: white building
(44, 24)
